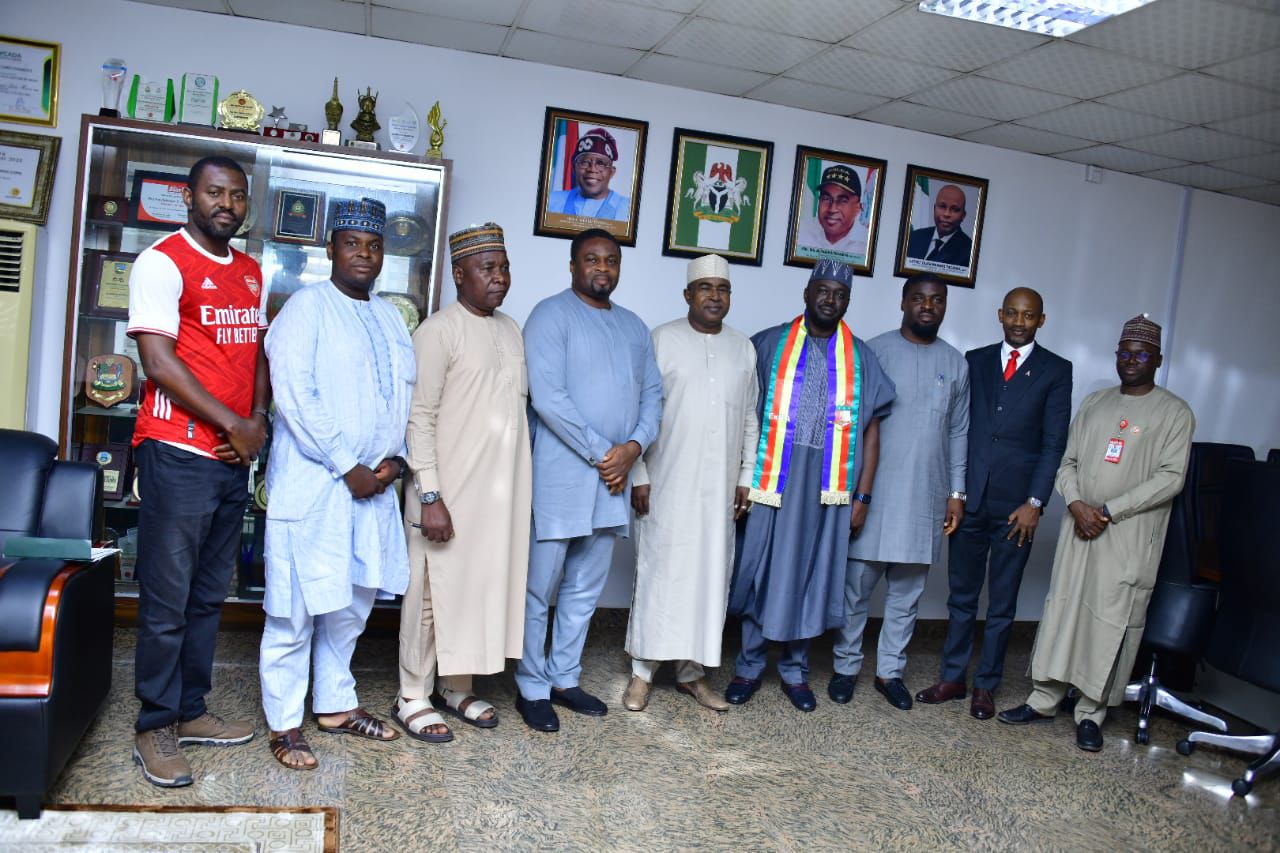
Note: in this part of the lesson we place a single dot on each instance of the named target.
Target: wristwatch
(1036, 502)
(958, 496)
(428, 498)
(862, 497)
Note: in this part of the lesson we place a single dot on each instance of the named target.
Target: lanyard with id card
(1115, 448)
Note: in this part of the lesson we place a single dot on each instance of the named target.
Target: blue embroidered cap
(829, 270)
(367, 214)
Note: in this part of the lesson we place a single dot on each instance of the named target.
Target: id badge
(1115, 448)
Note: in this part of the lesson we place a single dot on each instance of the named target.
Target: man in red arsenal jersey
(197, 310)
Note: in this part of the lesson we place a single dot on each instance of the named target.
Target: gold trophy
(332, 115)
(365, 122)
(240, 111)
(437, 124)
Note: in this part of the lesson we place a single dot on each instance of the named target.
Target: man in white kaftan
(688, 488)
(342, 372)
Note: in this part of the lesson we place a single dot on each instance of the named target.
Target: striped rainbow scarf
(844, 393)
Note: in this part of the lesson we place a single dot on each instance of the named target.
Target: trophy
(437, 124)
(240, 111)
(151, 100)
(199, 101)
(332, 115)
(365, 122)
(404, 130)
(113, 71)
(277, 115)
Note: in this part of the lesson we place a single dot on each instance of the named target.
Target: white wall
(1099, 253)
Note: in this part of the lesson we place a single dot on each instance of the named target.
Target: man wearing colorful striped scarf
(822, 395)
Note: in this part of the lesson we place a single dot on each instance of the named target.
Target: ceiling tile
(1262, 165)
(432, 29)
(1195, 99)
(1022, 138)
(571, 53)
(1267, 194)
(825, 20)
(1199, 145)
(688, 74)
(1076, 70)
(1261, 69)
(866, 72)
(321, 14)
(600, 21)
(501, 12)
(926, 119)
(1202, 176)
(989, 98)
(1099, 122)
(938, 40)
(681, 6)
(218, 6)
(727, 44)
(1120, 159)
(1257, 126)
(1186, 33)
(811, 96)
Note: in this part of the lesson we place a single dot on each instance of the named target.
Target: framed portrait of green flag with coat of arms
(717, 196)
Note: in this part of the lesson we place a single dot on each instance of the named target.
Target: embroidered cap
(367, 214)
(842, 176)
(829, 270)
(707, 266)
(600, 141)
(475, 239)
(1141, 329)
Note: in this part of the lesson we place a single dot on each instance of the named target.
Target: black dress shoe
(800, 695)
(740, 690)
(983, 706)
(893, 690)
(538, 714)
(579, 700)
(1022, 715)
(841, 688)
(1089, 736)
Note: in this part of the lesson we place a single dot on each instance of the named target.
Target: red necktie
(1012, 367)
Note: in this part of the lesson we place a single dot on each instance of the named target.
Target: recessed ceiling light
(1047, 17)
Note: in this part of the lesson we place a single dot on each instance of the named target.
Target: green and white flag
(719, 196)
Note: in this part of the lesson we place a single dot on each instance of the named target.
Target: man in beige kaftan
(468, 448)
(1125, 461)
(689, 487)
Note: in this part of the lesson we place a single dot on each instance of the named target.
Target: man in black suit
(945, 242)
(1019, 411)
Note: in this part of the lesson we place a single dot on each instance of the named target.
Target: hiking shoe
(211, 730)
(157, 753)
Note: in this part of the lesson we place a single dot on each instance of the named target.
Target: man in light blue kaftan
(596, 398)
(342, 372)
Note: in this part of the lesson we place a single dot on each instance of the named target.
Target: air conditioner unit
(17, 280)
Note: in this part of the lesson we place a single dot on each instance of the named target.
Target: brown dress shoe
(636, 696)
(701, 691)
(983, 706)
(943, 691)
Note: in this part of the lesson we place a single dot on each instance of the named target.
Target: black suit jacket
(954, 251)
(1018, 432)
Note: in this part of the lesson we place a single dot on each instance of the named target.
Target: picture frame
(299, 216)
(156, 200)
(29, 81)
(28, 164)
(936, 206)
(838, 219)
(104, 287)
(562, 205)
(717, 196)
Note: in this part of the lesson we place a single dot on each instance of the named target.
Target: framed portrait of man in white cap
(590, 175)
(835, 209)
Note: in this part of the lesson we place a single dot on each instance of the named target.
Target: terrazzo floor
(763, 776)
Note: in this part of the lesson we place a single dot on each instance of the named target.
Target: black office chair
(1181, 612)
(1246, 634)
(1273, 457)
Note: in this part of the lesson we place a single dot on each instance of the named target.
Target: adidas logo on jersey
(208, 285)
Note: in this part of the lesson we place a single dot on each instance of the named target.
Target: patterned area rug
(185, 829)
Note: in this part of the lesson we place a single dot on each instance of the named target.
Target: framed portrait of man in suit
(941, 231)
(835, 209)
(590, 175)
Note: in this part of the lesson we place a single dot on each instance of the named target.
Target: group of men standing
(748, 466)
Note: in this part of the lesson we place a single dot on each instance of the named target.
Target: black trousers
(979, 551)
(189, 528)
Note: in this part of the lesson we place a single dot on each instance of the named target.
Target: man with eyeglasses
(593, 168)
(1125, 461)
(689, 487)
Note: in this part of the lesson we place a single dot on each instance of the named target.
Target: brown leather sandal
(360, 723)
(291, 741)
